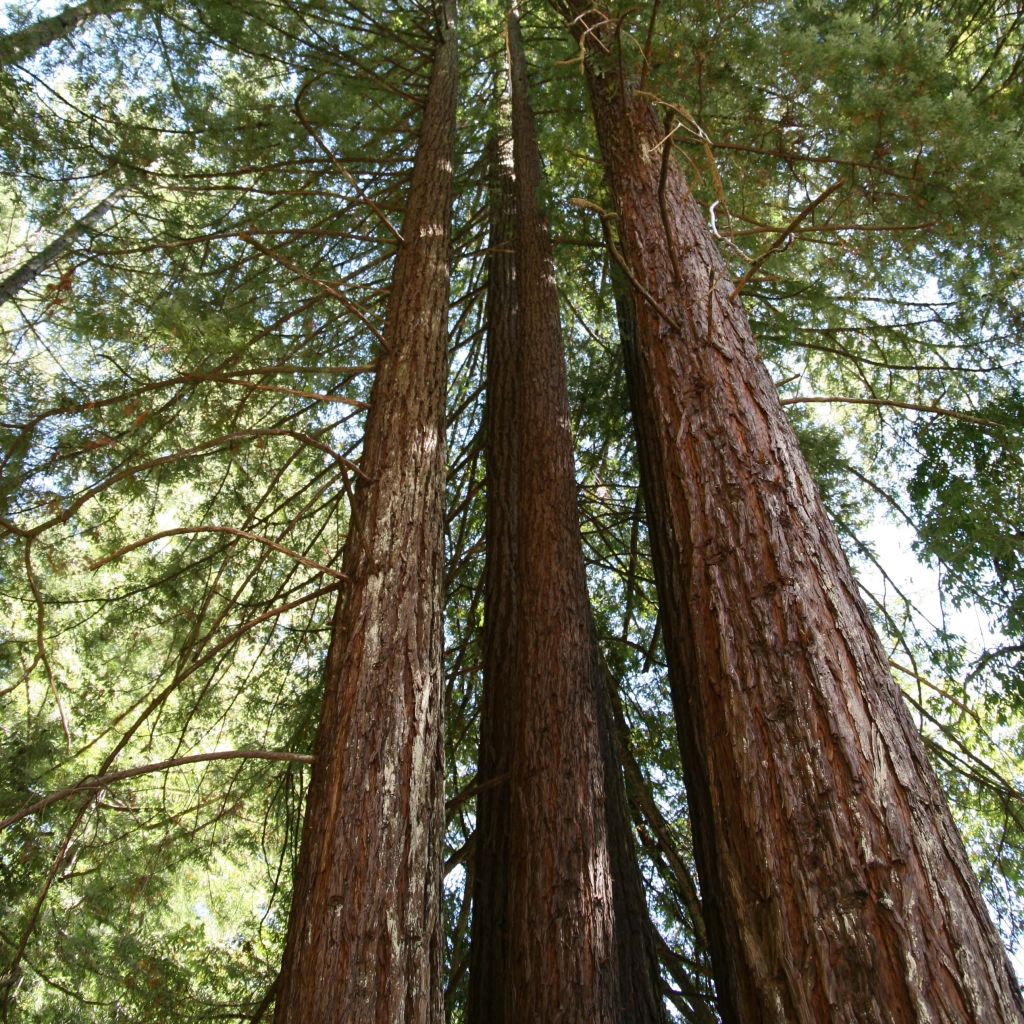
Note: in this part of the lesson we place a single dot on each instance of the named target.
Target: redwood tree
(836, 886)
(560, 928)
(489, 946)
(364, 938)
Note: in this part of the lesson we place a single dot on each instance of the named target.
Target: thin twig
(338, 166)
(41, 641)
(785, 234)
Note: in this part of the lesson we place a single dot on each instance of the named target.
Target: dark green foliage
(968, 489)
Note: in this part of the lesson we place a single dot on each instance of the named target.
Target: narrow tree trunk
(364, 939)
(25, 43)
(489, 943)
(561, 914)
(835, 885)
(635, 949)
(35, 265)
(561, 930)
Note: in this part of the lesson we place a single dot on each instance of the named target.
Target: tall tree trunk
(364, 939)
(836, 887)
(25, 43)
(561, 930)
(35, 265)
(635, 949)
(489, 944)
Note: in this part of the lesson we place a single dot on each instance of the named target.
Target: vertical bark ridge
(489, 946)
(364, 939)
(835, 883)
(568, 937)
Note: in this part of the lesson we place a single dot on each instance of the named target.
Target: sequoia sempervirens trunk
(836, 887)
(560, 892)
(364, 941)
(560, 930)
(489, 948)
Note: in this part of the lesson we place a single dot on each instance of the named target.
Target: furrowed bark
(561, 930)
(835, 885)
(561, 915)
(489, 945)
(25, 43)
(364, 940)
(35, 265)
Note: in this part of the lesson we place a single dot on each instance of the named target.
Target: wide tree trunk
(836, 887)
(560, 929)
(25, 43)
(364, 940)
(30, 270)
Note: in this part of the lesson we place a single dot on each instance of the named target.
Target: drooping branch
(893, 403)
(230, 530)
(96, 782)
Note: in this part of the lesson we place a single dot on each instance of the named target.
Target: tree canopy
(200, 206)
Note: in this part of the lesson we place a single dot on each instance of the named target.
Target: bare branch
(244, 534)
(937, 410)
(97, 782)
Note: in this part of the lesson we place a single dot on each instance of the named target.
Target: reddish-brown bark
(560, 895)
(835, 885)
(489, 948)
(364, 939)
(561, 930)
